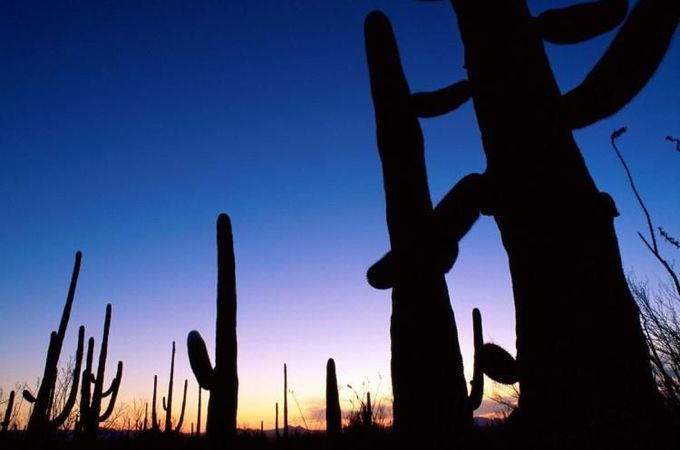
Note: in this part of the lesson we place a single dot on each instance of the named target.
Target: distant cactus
(155, 423)
(367, 412)
(285, 401)
(40, 422)
(333, 415)
(91, 411)
(198, 418)
(4, 426)
(222, 380)
(167, 406)
(276, 421)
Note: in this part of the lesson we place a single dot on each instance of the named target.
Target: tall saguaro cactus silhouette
(422, 317)
(91, 414)
(222, 380)
(571, 295)
(41, 422)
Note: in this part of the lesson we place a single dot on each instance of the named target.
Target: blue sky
(128, 126)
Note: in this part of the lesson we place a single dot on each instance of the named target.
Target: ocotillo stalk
(94, 415)
(167, 407)
(333, 415)
(198, 419)
(285, 401)
(155, 425)
(276, 421)
(222, 380)
(8, 413)
(40, 421)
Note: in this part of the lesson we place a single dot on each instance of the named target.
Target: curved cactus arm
(30, 398)
(178, 428)
(627, 65)
(581, 22)
(442, 101)
(165, 406)
(477, 383)
(498, 364)
(115, 386)
(71, 400)
(199, 360)
(453, 217)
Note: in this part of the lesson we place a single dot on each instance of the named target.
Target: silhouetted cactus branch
(627, 65)
(581, 22)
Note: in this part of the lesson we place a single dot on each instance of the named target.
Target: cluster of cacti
(167, 405)
(557, 228)
(333, 414)
(41, 421)
(222, 380)
(5, 424)
(91, 414)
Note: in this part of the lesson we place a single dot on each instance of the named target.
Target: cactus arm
(115, 386)
(199, 360)
(30, 398)
(85, 386)
(178, 428)
(165, 407)
(442, 101)
(477, 383)
(8, 413)
(498, 364)
(627, 65)
(581, 22)
(452, 219)
(75, 383)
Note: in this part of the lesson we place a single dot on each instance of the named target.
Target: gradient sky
(128, 126)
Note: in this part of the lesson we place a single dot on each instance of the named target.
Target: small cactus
(285, 401)
(167, 406)
(222, 380)
(4, 426)
(155, 423)
(333, 416)
(91, 414)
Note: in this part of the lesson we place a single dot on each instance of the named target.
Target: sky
(128, 126)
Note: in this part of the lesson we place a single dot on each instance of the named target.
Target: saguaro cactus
(4, 426)
(556, 227)
(198, 418)
(155, 423)
(276, 420)
(167, 406)
(285, 401)
(422, 317)
(222, 380)
(333, 416)
(40, 422)
(91, 414)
